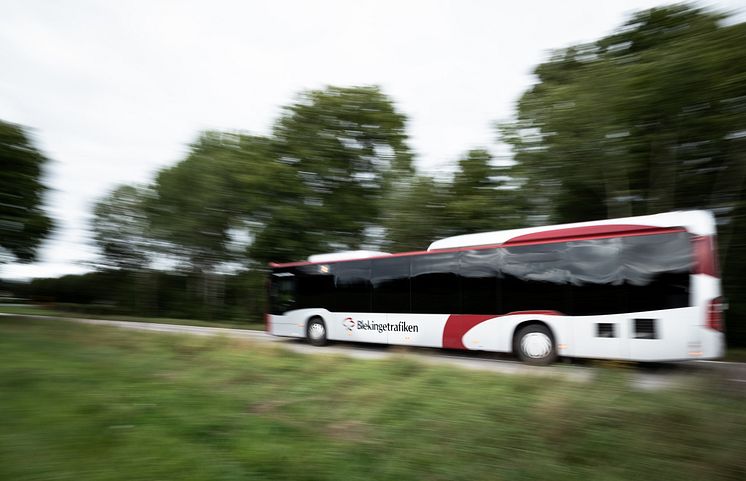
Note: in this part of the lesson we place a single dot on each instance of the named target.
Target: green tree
(202, 206)
(121, 231)
(23, 223)
(200, 203)
(238, 201)
(645, 120)
(120, 228)
(480, 198)
(649, 119)
(345, 147)
(415, 213)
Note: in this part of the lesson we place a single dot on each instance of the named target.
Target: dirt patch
(348, 431)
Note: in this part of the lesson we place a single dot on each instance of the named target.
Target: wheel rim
(316, 331)
(536, 345)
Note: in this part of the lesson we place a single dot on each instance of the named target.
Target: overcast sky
(116, 90)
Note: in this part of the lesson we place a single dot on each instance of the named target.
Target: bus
(641, 288)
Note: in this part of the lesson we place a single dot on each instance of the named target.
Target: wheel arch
(315, 316)
(530, 322)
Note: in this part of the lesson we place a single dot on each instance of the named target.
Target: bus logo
(348, 324)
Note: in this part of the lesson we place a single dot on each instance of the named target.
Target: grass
(34, 310)
(98, 403)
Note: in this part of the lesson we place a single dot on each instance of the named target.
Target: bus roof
(698, 222)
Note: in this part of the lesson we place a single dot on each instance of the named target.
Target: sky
(115, 91)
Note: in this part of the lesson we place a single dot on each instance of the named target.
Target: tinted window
(314, 286)
(390, 279)
(435, 284)
(599, 276)
(479, 270)
(353, 289)
(596, 277)
(656, 271)
(534, 277)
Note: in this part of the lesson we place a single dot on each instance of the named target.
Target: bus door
(282, 298)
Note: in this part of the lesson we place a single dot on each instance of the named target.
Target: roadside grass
(35, 310)
(98, 403)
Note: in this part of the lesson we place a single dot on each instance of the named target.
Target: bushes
(239, 297)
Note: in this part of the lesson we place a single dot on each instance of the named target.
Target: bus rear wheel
(534, 344)
(316, 331)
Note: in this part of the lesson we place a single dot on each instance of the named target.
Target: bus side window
(479, 272)
(435, 284)
(391, 287)
(534, 277)
(596, 278)
(657, 271)
(352, 288)
(314, 286)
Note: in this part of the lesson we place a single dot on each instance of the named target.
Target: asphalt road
(644, 377)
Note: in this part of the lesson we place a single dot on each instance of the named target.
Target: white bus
(640, 288)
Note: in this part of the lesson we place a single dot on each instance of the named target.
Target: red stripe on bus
(590, 232)
(458, 325)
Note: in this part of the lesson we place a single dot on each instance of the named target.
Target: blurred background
(155, 156)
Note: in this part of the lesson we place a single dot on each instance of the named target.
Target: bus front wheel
(316, 331)
(534, 344)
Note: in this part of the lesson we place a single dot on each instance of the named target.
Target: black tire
(316, 331)
(534, 344)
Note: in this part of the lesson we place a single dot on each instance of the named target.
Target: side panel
(282, 326)
(708, 343)
(357, 327)
(425, 330)
(658, 335)
(674, 334)
(293, 323)
(704, 288)
(661, 335)
(603, 337)
(711, 343)
(496, 334)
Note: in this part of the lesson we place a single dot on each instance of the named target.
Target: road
(660, 376)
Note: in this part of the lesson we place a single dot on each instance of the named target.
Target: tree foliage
(237, 201)
(23, 222)
(478, 198)
(415, 213)
(199, 203)
(646, 120)
(345, 147)
(120, 228)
